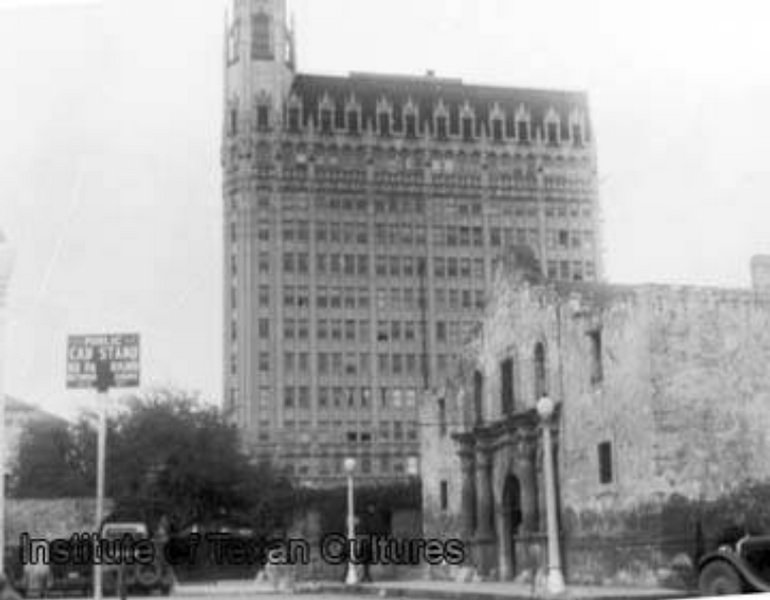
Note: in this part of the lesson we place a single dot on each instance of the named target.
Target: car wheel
(719, 578)
(148, 575)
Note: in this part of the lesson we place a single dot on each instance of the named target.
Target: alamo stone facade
(662, 423)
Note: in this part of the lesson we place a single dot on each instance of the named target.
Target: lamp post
(351, 578)
(554, 579)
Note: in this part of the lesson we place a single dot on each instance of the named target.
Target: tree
(47, 464)
(171, 455)
(167, 455)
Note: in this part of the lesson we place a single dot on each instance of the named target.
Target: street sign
(106, 360)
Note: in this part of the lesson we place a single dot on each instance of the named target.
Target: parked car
(735, 568)
(77, 577)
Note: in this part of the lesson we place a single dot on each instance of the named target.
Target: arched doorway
(513, 516)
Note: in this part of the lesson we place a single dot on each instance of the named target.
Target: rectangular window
(444, 495)
(264, 296)
(522, 131)
(264, 328)
(605, 462)
(442, 417)
(294, 119)
(506, 386)
(497, 130)
(264, 262)
(441, 128)
(410, 122)
(597, 372)
(441, 331)
(553, 133)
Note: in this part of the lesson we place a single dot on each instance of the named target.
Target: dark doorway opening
(512, 506)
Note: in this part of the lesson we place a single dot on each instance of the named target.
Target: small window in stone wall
(597, 370)
(478, 391)
(441, 417)
(507, 399)
(444, 491)
(605, 462)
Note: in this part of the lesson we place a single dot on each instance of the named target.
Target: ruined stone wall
(682, 402)
(50, 518)
(440, 462)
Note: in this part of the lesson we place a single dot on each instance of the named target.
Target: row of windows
(352, 330)
(345, 397)
(351, 364)
(564, 238)
(565, 270)
(339, 364)
(349, 397)
(350, 298)
(327, 466)
(358, 265)
(413, 234)
(454, 299)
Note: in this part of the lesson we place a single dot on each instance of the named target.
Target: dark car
(736, 567)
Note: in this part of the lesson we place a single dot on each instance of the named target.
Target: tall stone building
(363, 216)
(661, 431)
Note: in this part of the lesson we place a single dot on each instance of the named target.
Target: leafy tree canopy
(168, 455)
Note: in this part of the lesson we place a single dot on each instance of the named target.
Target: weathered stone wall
(682, 402)
(440, 462)
(57, 518)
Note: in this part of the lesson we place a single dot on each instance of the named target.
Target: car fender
(741, 567)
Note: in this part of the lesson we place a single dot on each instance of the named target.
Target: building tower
(364, 216)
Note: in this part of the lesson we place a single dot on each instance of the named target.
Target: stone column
(504, 541)
(484, 539)
(530, 547)
(525, 467)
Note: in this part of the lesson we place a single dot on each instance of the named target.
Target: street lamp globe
(350, 464)
(545, 408)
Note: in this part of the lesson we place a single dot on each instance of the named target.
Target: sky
(110, 117)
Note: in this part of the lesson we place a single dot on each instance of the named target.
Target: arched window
(478, 397)
(541, 388)
(261, 42)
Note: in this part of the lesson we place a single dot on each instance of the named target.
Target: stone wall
(440, 462)
(54, 518)
(682, 401)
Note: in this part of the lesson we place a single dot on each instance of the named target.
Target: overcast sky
(109, 148)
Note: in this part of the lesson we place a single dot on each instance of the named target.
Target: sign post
(102, 362)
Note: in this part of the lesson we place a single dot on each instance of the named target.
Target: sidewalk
(492, 590)
(428, 590)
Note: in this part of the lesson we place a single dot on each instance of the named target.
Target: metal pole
(2, 467)
(555, 579)
(352, 575)
(100, 460)
(6, 264)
